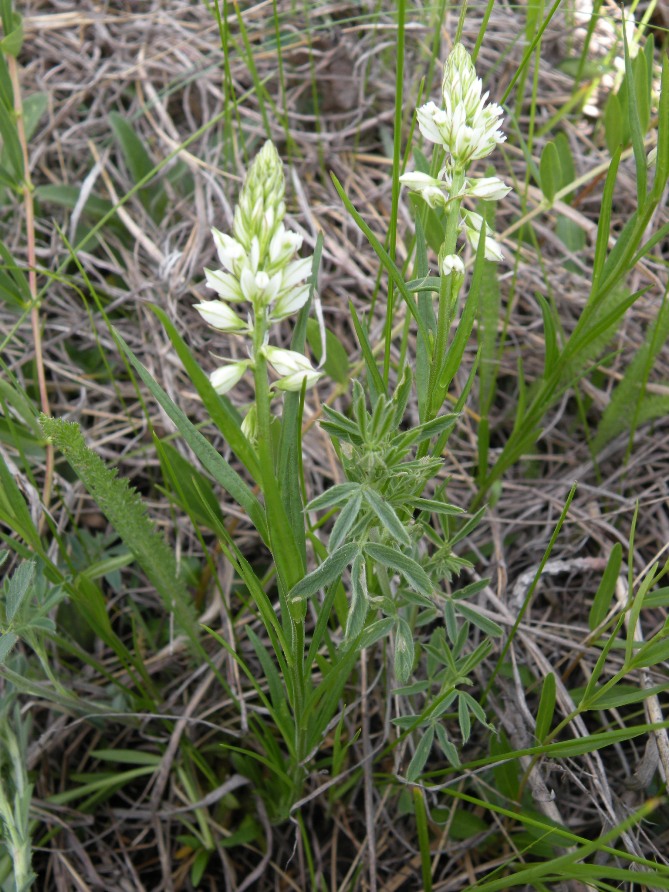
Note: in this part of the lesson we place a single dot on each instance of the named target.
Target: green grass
(408, 621)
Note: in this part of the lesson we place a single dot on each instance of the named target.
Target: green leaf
(402, 563)
(477, 619)
(550, 337)
(619, 695)
(134, 154)
(404, 650)
(336, 360)
(387, 516)
(335, 495)
(345, 521)
(18, 587)
(614, 128)
(7, 642)
(550, 171)
(421, 754)
(192, 489)
(124, 509)
(329, 571)
(220, 410)
(11, 145)
(436, 507)
(212, 460)
(12, 42)
(606, 589)
(359, 608)
(375, 632)
(546, 708)
(464, 721)
(374, 379)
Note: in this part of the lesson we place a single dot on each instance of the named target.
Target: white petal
(290, 302)
(488, 188)
(225, 377)
(225, 285)
(286, 362)
(229, 250)
(295, 381)
(452, 262)
(296, 271)
(220, 315)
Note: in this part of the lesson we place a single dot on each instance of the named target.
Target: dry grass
(158, 64)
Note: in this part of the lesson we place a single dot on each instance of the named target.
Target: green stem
(277, 521)
(445, 312)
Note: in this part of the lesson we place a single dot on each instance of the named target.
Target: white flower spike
(468, 128)
(259, 267)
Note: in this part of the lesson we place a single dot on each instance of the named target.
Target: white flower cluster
(259, 268)
(468, 129)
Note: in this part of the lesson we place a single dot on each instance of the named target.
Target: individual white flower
(289, 302)
(225, 377)
(651, 159)
(224, 284)
(472, 224)
(283, 246)
(487, 188)
(295, 381)
(285, 362)
(230, 252)
(219, 315)
(293, 368)
(250, 424)
(433, 191)
(452, 263)
(259, 288)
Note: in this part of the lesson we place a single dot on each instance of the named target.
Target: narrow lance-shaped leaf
(604, 594)
(546, 707)
(328, 572)
(387, 516)
(402, 563)
(404, 650)
(357, 613)
(212, 460)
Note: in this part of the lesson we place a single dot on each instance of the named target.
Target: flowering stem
(277, 520)
(446, 298)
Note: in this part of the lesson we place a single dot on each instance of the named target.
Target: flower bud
(452, 263)
(220, 316)
(487, 188)
(286, 362)
(225, 377)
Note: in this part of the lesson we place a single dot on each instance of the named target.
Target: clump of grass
(310, 595)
